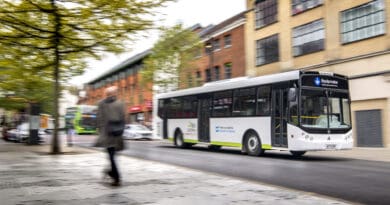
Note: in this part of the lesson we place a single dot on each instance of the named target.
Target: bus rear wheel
(297, 153)
(252, 144)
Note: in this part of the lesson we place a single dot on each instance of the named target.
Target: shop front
(141, 114)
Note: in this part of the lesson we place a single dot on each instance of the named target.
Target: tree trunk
(55, 148)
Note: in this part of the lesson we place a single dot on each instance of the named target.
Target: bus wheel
(252, 144)
(179, 142)
(297, 153)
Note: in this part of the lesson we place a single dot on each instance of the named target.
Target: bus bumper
(299, 140)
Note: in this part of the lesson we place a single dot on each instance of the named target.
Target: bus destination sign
(324, 81)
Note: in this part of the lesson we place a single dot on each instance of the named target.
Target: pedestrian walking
(111, 123)
(69, 132)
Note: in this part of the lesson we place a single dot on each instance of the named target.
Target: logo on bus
(191, 127)
(223, 129)
(320, 82)
(317, 81)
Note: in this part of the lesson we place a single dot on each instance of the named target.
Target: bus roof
(234, 83)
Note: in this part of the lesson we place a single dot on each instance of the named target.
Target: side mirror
(292, 94)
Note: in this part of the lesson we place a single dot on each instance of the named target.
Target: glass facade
(266, 12)
(267, 50)
(308, 38)
(299, 6)
(365, 21)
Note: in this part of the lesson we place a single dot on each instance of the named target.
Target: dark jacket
(109, 109)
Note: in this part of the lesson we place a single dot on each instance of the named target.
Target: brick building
(349, 37)
(137, 97)
(223, 54)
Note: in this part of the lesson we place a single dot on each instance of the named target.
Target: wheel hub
(252, 143)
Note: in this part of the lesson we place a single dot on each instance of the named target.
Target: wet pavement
(31, 176)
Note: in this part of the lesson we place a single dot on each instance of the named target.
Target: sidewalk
(362, 153)
(31, 176)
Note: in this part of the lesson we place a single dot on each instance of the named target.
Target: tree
(25, 87)
(56, 37)
(170, 57)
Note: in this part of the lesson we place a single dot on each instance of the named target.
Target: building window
(228, 41)
(216, 45)
(198, 78)
(267, 50)
(216, 73)
(208, 48)
(299, 6)
(308, 38)
(265, 12)
(228, 70)
(208, 75)
(365, 21)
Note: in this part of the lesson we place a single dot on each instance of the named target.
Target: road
(359, 181)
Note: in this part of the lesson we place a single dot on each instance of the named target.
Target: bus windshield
(325, 109)
(91, 110)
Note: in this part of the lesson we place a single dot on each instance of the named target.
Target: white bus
(295, 111)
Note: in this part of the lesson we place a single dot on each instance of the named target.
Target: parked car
(11, 134)
(22, 132)
(137, 131)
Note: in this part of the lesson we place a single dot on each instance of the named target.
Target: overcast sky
(188, 12)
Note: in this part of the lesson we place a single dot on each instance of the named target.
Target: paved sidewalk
(30, 176)
(362, 153)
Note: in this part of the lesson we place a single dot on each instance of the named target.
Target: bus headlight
(348, 137)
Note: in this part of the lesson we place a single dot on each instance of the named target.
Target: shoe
(116, 183)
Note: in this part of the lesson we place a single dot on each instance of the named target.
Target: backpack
(115, 122)
(115, 128)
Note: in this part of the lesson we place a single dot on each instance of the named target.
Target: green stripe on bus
(227, 144)
(266, 146)
(190, 141)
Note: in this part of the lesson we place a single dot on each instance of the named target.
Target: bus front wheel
(252, 144)
(179, 141)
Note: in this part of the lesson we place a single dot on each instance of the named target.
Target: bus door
(204, 105)
(279, 116)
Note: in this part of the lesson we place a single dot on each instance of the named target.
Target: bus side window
(222, 104)
(190, 107)
(263, 100)
(174, 108)
(244, 102)
(162, 106)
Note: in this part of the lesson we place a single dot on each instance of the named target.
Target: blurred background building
(137, 97)
(349, 37)
(223, 54)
